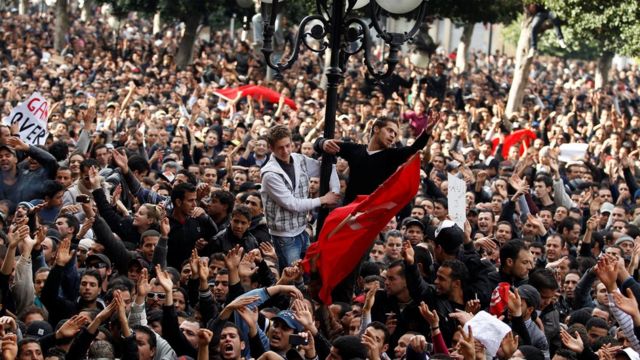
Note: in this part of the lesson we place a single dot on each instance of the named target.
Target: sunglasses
(156, 296)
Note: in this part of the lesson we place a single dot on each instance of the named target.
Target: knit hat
(624, 238)
(86, 244)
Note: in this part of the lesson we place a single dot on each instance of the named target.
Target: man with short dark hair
(515, 263)
(30, 349)
(285, 194)
(24, 181)
(236, 234)
(190, 226)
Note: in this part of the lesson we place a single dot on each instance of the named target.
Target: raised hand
(10, 321)
(430, 315)
(165, 227)
(515, 303)
(472, 306)
(72, 326)
(370, 298)
(121, 160)
(234, 256)
(509, 344)
(142, 287)
(203, 269)
(9, 346)
(574, 344)
(242, 301)
(64, 254)
(466, 345)
(372, 345)
(606, 270)
(268, 251)
(408, 252)
(204, 337)
(250, 316)
(17, 143)
(164, 279)
(194, 263)
(303, 315)
(628, 304)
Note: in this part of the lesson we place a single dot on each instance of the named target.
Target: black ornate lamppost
(337, 29)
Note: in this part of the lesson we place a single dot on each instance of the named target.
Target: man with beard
(515, 263)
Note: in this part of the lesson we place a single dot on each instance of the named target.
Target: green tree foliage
(596, 27)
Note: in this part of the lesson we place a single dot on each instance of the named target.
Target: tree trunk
(185, 50)
(157, 23)
(61, 25)
(521, 72)
(86, 12)
(463, 47)
(602, 71)
(24, 7)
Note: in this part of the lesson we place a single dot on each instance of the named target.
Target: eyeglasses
(156, 296)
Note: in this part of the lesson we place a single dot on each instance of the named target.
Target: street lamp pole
(338, 30)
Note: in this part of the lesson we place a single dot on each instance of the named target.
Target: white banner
(32, 116)
(455, 197)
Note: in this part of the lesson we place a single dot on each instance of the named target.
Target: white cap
(87, 244)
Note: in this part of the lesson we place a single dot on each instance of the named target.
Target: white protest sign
(32, 116)
(457, 203)
(572, 152)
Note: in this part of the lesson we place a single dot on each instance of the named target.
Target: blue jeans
(290, 249)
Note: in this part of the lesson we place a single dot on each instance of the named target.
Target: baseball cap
(606, 208)
(287, 317)
(8, 148)
(624, 238)
(38, 329)
(412, 221)
(98, 258)
(530, 295)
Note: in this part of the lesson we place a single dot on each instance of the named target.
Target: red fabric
(339, 249)
(524, 135)
(499, 299)
(256, 91)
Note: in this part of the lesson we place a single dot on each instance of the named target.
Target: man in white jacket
(285, 194)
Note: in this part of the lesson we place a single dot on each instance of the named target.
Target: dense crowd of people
(162, 221)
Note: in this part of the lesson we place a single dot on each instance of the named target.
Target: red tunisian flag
(349, 231)
(256, 91)
(525, 136)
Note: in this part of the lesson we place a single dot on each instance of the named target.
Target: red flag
(499, 299)
(256, 91)
(526, 136)
(349, 231)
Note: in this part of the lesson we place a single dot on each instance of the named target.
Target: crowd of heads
(138, 229)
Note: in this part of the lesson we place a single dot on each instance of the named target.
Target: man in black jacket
(236, 234)
(190, 226)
